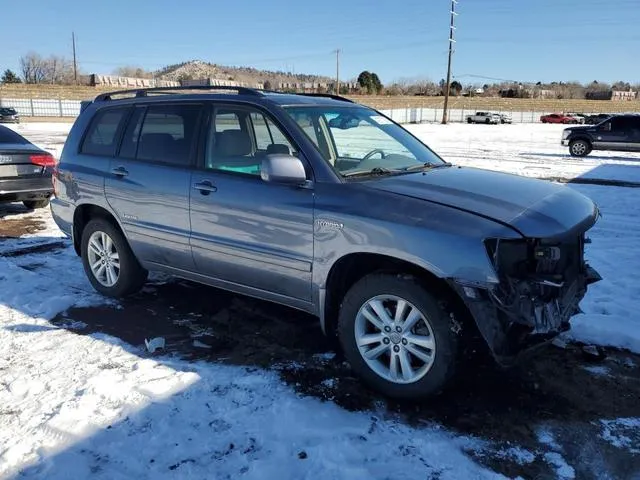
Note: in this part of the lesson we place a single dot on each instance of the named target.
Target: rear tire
(108, 261)
(33, 204)
(407, 364)
(579, 148)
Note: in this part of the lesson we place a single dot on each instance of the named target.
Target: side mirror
(285, 169)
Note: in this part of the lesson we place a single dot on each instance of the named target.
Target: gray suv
(327, 206)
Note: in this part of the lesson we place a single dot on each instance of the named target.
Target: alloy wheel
(395, 339)
(104, 260)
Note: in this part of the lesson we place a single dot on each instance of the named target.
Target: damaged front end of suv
(541, 284)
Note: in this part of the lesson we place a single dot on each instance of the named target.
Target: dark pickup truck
(620, 132)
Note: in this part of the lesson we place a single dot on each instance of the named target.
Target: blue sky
(527, 40)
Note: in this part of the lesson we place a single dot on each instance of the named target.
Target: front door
(148, 182)
(245, 231)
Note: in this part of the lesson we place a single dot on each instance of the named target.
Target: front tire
(468, 120)
(33, 204)
(579, 148)
(108, 261)
(397, 337)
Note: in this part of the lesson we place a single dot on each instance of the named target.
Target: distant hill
(197, 69)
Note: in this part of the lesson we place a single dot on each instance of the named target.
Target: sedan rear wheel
(397, 337)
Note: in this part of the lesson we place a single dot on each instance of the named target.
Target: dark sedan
(9, 115)
(25, 171)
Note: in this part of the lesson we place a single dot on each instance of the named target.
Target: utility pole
(75, 63)
(451, 42)
(337, 71)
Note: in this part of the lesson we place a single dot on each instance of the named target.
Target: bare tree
(33, 69)
(53, 70)
(59, 70)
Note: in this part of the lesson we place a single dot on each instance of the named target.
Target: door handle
(205, 187)
(120, 172)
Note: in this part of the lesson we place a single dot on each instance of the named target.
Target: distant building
(623, 95)
(544, 93)
(217, 82)
(116, 81)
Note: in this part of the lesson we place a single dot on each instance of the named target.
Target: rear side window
(102, 136)
(167, 134)
(9, 136)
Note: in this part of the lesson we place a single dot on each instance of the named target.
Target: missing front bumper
(511, 329)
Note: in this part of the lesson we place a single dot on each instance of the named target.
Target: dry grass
(502, 104)
(380, 102)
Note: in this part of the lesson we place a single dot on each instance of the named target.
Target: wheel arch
(352, 267)
(586, 138)
(83, 214)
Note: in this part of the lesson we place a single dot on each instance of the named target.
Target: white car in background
(484, 117)
(505, 118)
(580, 118)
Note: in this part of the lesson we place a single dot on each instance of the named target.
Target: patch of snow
(562, 468)
(598, 370)
(546, 437)
(329, 383)
(623, 433)
(519, 455)
(324, 357)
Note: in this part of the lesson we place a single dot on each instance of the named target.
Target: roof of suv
(222, 93)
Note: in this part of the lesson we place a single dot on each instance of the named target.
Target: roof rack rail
(327, 95)
(142, 92)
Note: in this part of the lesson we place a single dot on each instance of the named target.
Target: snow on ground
(73, 405)
(531, 150)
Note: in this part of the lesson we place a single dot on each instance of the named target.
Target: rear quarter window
(102, 136)
(9, 136)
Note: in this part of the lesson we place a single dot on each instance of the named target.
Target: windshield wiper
(373, 171)
(425, 166)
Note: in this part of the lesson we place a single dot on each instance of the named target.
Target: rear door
(148, 182)
(244, 231)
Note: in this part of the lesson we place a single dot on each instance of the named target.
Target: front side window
(357, 140)
(101, 138)
(620, 124)
(239, 138)
(167, 133)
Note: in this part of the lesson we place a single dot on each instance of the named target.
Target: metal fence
(35, 107)
(38, 107)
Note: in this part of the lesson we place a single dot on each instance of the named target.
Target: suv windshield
(357, 141)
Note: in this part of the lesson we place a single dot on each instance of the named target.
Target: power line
(451, 42)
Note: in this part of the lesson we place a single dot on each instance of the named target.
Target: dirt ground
(554, 401)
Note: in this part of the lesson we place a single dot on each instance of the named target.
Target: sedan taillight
(44, 160)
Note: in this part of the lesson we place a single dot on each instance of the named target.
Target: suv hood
(582, 128)
(534, 208)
